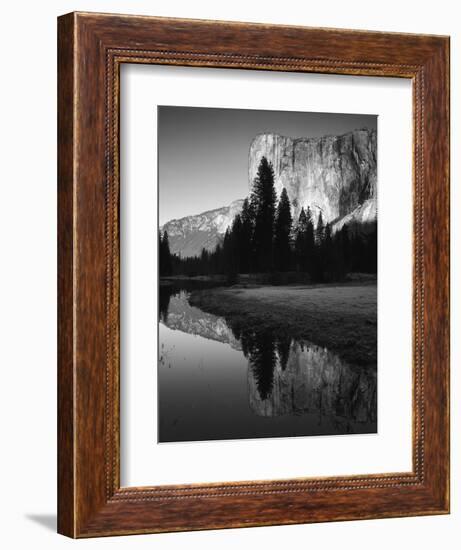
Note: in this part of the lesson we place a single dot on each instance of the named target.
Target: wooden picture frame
(92, 48)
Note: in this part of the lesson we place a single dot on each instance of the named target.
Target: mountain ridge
(188, 235)
(334, 175)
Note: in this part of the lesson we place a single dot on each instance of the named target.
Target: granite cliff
(334, 175)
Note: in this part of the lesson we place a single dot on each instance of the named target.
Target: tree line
(166, 259)
(264, 238)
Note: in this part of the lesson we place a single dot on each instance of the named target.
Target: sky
(203, 153)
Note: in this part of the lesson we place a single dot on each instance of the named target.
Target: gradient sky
(203, 153)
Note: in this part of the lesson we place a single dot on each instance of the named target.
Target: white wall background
(28, 271)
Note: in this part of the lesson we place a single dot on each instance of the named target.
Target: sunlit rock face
(313, 380)
(334, 175)
(360, 217)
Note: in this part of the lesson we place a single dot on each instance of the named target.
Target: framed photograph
(253, 275)
(256, 296)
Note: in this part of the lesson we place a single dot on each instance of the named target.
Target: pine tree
(344, 244)
(329, 257)
(227, 250)
(317, 267)
(228, 253)
(341, 253)
(305, 242)
(372, 252)
(282, 233)
(204, 268)
(236, 237)
(217, 259)
(263, 200)
(300, 240)
(262, 357)
(320, 231)
(309, 243)
(309, 231)
(165, 266)
(248, 222)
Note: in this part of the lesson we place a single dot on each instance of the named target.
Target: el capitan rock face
(333, 174)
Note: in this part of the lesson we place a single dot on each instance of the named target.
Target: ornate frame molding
(91, 49)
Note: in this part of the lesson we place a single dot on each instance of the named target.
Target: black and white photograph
(267, 274)
(229, 240)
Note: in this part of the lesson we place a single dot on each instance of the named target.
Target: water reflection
(164, 295)
(312, 380)
(303, 389)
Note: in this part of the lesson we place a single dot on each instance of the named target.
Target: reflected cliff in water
(218, 382)
(305, 378)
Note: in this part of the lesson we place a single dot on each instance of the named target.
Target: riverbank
(340, 317)
(272, 279)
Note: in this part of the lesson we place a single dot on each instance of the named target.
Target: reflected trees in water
(285, 376)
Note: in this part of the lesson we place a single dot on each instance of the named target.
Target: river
(215, 382)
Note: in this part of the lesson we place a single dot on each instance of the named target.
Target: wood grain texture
(66, 471)
(91, 49)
